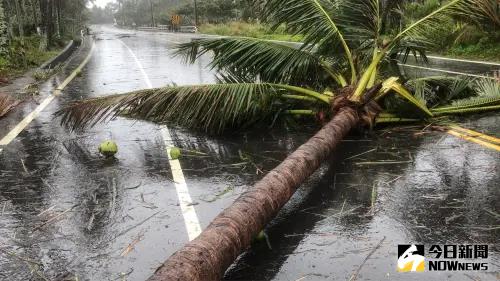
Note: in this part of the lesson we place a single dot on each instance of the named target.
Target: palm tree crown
(343, 56)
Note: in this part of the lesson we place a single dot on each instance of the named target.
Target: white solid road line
(191, 221)
(446, 71)
(30, 117)
(463, 60)
(193, 226)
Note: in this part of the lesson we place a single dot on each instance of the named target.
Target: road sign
(176, 20)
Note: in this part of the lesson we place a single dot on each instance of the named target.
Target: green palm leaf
(312, 19)
(265, 60)
(438, 90)
(419, 29)
(211, 108)
(393, 84)
(359, 20)
(484, 13)
(487, 98)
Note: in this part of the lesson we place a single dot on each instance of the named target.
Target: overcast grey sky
(102, 3)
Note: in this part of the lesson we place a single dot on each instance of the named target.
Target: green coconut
(175, 153)
(108, 148)
(261, 236)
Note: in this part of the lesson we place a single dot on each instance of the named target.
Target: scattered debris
(135, 186)
(132, 227)
(34, 266)
(354, 276)
(123, 275)
(31, 89)
(363, 153)
(46, 210)
(132, 244)
(7, 103)
(381, 163)
(24, 167)
(55, 218)
(218, 195)
(44, 74)
(373, 198)
(452, 218)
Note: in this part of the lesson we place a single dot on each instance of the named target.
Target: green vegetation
(458, 35)
(24, 55)
(480, 51)
(244, 29)
(31, 32)
(153, 13)
(472, 35)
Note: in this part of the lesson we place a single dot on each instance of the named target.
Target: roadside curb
(62, 56)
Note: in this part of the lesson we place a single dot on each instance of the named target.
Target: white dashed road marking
(191, 221)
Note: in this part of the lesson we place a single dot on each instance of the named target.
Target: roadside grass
(244, 29)
(24, 56)
(484, 52)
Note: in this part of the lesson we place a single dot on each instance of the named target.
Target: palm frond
(313, 20)
(488, 87)
(392, 84)
(432, 21)
(484, 13)
(268, 61)
(468, 110)
(439, 90)
(487, 98)
(384, 118)
(359, 20)
(211, 108)
(469, 103)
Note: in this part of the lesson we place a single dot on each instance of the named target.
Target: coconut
(108, 148)
(175, 153)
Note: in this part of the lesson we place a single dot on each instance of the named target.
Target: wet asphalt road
(439, 66)
(73, 213)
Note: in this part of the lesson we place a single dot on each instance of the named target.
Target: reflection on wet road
(66, 212)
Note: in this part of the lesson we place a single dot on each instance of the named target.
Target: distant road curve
(436, 64)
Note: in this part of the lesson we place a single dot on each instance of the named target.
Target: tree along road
(66, 211)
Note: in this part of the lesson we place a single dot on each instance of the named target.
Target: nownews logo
(442, 258)
(411, 258)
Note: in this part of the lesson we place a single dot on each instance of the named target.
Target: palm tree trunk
(231, 232)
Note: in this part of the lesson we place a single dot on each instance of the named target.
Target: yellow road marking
(471, 133)
(474, 139)
(30, 117)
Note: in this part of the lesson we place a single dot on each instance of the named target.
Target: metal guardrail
(184, 28)
(62, 56)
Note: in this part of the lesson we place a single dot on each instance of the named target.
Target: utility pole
(195, 13)
(152, 14)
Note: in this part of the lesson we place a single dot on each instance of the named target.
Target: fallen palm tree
(339, 77)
